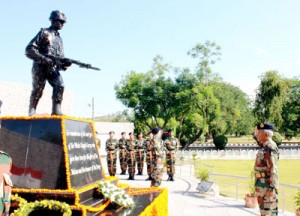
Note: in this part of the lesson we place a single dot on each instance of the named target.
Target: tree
(270, 98)
(291, 109)
(236, 114)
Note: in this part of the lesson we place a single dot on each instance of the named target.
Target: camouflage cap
(265, 126)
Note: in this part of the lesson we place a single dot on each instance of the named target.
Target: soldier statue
(171, 144)
(140, 146)
(5, 181)
(47, 42)
(149, 155)
(111, 149)
(266, 170)
(122, 153)
(131, 160)
(158, 158)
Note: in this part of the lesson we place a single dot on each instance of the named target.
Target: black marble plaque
(84, 161)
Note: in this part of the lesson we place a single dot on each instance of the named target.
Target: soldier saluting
(266, 170)
(47, 42)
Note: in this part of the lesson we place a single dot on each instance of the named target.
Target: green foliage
(203, 174)
(277, 138)
(252, 183)
(291, 109)
(297, 199)
(195, 102)
(220, 142)
(270, 98)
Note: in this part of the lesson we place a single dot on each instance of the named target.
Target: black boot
(32, 106)
(140, 172)
(56, 108)
(171, 178)
(149, 178)
(132, 177)
(129, 178)
(123, 173)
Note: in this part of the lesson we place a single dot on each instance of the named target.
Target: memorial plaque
(84, 161)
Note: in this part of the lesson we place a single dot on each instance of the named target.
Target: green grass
(289, 173)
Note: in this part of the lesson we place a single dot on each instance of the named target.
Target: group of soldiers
(133, 151)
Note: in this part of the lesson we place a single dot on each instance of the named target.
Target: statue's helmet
(57, 15)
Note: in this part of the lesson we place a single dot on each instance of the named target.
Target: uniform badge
(261, 125)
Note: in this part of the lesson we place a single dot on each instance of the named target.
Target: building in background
(15, 98)
(103, 128)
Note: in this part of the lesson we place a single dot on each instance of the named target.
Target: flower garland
(26, 208)
(115, 194)
(159, 206)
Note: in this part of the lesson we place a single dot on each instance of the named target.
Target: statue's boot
(56, 108)
(32, 106)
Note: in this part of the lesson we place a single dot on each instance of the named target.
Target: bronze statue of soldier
(47, 42)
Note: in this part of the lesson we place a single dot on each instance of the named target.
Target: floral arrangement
(115, 194)
(26, 208)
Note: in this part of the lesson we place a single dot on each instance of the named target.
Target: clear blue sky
(119, 36)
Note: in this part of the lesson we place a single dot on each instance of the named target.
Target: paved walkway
(184, 199)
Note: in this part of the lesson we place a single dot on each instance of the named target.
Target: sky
(119, 36)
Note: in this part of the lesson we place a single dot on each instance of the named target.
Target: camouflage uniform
(140, 156)
(158, 161)
(266, 178)
(131, 160)
(111, 149)
(171, 144)
(5, 183)
(149, 157)
(122, 155)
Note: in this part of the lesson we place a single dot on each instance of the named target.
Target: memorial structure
(56, 158)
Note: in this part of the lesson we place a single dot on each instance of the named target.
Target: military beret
(140, 132)
(170, 130)
(155, 130)
(265, 126)
(130, 133)
(111, 132)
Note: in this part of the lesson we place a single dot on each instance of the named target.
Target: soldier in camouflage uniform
(149, 155)
(140, 154)
(171, 144)
(266, 170)
(158, 158)
(122, 153)
(131, 160)
(111, 149)
(5, 181)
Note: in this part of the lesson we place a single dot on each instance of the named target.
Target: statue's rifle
(60, 61)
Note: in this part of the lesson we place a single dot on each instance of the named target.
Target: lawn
(289, 173)
(289, 170)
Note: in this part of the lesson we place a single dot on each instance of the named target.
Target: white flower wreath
(115, 194)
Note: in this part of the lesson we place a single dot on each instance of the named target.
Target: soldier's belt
(260, 174)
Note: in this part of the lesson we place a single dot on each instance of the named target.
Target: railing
(238, 186)
(233, 154)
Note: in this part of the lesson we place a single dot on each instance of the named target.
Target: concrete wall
(103, 128)
(15, 98)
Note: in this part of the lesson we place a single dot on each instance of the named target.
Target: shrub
(203, 174)
(220, 142)
(277, 138)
